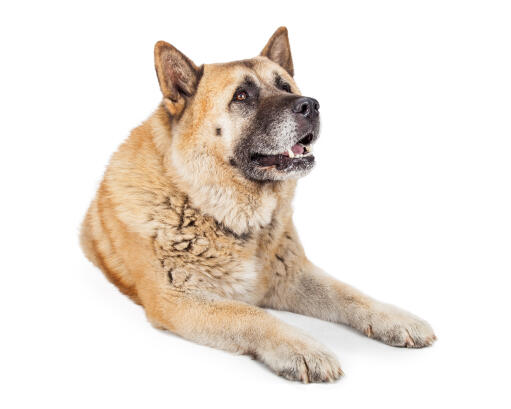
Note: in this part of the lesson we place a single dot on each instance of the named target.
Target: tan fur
(201, 248)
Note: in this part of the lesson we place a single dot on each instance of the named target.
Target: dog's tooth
(290, 153)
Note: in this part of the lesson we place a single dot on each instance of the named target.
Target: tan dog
(193, 217)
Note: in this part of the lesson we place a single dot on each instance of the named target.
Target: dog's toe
(399, 328)
(304, 361)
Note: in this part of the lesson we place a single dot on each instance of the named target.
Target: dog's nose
(308, 107)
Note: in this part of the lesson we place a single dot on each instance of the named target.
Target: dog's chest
(199, 254)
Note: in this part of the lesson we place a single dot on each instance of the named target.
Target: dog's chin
(264, 168)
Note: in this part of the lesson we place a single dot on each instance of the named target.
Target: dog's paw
(396, 327)
(305, 361)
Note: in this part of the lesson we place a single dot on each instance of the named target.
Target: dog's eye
(240, 95)
(286, 87)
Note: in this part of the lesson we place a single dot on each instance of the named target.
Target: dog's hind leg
(299, 286)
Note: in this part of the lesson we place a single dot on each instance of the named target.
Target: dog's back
(133, 170)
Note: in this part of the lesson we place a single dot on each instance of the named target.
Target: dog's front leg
(240, 328)
(230, 325)
(299, 286)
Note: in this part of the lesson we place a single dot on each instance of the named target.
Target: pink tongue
(297, 149)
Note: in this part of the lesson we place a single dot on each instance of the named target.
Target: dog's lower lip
(281, 161)
(296, 151)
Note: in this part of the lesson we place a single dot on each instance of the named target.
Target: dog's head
(248, 116)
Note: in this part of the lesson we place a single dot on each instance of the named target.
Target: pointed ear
(177, 74)
(278, 50)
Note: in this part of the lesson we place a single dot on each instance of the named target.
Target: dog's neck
(239, 204)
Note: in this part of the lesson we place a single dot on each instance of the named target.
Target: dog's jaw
(277, 145)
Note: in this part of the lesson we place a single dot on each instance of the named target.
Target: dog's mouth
(298, 154)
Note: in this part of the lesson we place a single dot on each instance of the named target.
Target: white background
(412, 191)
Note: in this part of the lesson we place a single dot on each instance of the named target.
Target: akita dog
(193, 217)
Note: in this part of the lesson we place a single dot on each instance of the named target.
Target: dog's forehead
(224, 74)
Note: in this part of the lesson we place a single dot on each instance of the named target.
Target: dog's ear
(278, 50)
(177, 74)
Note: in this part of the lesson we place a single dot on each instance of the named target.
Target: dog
(193, 217)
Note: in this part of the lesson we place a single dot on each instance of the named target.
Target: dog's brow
(278, 79)
(249, 81)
